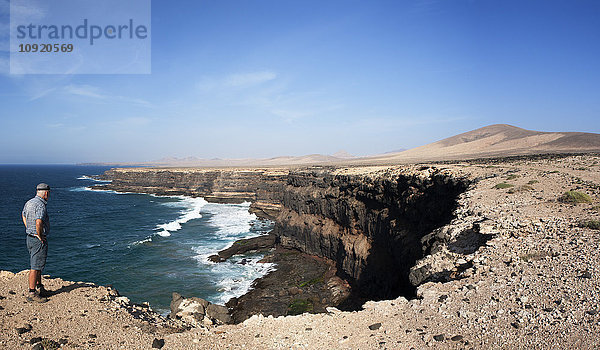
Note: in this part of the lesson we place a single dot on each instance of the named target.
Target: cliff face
(369, 224)
(259, 186)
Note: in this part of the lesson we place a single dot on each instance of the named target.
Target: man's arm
(39, 229)
(24, 221)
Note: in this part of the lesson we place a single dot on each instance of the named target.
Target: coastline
(298, 282)
(184, 220)
(517, 267)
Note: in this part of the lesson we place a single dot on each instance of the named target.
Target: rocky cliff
(262, 187)
(369, 222)
(370, 225)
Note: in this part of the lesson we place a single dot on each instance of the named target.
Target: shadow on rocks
(71, 287)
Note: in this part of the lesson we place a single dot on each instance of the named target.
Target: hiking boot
(43, 292)
(35, 297)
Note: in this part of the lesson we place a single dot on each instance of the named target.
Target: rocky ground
(518, 267)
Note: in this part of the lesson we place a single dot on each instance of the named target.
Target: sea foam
(230, 223)
(191, 211)
(85, 177)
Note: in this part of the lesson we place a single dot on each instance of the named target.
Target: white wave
(79, 189)
(85, 177)
(230, 220)
(234, 279)
(149, 239)
(164, 233)
(191, 211)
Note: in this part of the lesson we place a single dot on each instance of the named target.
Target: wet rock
(243, 246)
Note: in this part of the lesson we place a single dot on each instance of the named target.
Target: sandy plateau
(529, 279)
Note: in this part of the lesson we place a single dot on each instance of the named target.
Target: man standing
(37, 226)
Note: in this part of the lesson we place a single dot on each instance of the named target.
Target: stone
(37, 346)
(175, 301)
(457, 338)
(35, 340)
(375, 326)
(244, 245)
(219, 313)
(158, 343)
(439, 337)
(23, 328)
(6, 274)
(200, 301)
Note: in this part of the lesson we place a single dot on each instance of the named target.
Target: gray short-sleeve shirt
(34, 209)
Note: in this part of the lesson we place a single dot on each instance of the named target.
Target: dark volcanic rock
(301, 283)
(243, 246)
(370, 226)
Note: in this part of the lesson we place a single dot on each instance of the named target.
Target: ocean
(146, 246)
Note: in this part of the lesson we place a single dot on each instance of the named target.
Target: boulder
(197, 311)
(218, 313)
(175, 301)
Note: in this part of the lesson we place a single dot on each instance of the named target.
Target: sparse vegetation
(596, 207)
(512, 177)
(520, 189)
(582, 168)
(311, 282)
(553, 172)
(575, 197)
(503, 185)
(300, 306)
(534, 256)
(49, 344)
(531, 182)
(593, 224)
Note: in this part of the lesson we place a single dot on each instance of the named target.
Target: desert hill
(496, 140)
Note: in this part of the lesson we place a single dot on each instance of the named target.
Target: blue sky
(237, 79)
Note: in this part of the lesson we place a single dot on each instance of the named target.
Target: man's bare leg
(34, 277)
